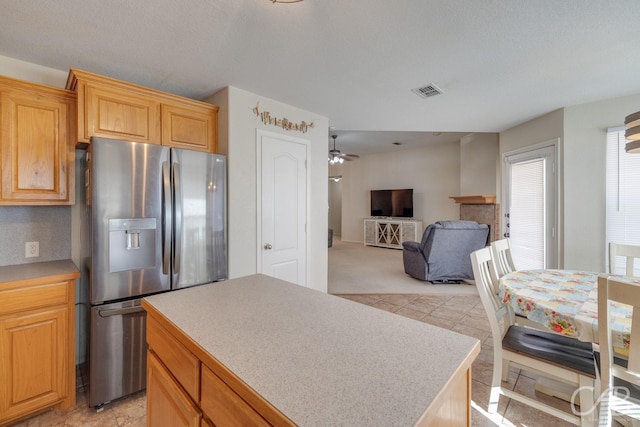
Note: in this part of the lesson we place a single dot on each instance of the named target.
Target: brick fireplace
(481, 209)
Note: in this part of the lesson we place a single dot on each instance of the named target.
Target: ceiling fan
(335, 157)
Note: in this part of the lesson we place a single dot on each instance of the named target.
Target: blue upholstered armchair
(443, 255)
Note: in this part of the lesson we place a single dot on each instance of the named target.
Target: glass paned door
(530, 207)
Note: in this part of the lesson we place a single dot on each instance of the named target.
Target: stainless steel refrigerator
(157, 223)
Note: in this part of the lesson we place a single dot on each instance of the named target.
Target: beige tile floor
(463, 314)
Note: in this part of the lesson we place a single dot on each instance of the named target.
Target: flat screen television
(392, 203)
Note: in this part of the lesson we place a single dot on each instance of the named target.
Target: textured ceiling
(499, 62)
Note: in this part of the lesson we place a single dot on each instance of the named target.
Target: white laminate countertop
(320, 359)
(13, 273)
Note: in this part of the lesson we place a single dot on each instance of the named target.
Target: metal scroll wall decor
(283, 123)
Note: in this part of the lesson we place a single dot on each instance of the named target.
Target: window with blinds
(622, 196)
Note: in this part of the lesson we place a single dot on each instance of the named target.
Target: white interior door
(530, 208)
(283, 206)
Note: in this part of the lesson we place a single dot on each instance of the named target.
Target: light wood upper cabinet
(37, 343)
(114, 113)
(37, 136)
(189, 126)
(112, 108)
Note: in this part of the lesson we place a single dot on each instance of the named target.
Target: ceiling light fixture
(285, 1)
(632, 132)
(334, 155)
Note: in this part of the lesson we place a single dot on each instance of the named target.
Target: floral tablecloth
(565, 301)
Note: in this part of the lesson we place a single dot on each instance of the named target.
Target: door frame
(260, 133)
(553, 258)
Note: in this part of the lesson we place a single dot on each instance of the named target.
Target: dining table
(566, 302)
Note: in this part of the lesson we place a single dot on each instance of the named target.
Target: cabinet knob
(268, 246)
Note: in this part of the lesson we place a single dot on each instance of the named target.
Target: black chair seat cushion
(556, 349)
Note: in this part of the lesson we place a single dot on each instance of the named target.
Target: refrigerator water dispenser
(132, 244)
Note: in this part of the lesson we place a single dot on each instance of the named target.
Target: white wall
(32, 73)
(585, 128)
(237, 133)
(544, 128)
(433, 172)
(582, 133)
(479, 163)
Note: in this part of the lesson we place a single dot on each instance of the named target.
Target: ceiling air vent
(427, 91)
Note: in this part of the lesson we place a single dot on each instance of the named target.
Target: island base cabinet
(33, 364)
(455, 409)
(223, 406)
(219, 325)
(167, 403)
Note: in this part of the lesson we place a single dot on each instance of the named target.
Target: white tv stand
(391, 232)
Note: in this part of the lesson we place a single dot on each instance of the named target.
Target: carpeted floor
(358, 269)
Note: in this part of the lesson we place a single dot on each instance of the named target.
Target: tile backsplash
(48, 225)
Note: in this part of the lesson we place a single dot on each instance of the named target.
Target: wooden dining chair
(544, 353)
(501, 250)
(619, 374)
(629, 252)
(501, 254)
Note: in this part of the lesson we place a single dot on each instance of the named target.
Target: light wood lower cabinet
(37, 346)
(223, 406)
(168, 404)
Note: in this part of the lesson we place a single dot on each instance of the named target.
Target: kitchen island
(260, 351)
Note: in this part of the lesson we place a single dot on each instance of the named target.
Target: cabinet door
(37, 158)
(33, 361)
(411, 231)
(369, 232)
(115, 113)
(167, 403)
(223, 406)
(192, 127)
(389, 234)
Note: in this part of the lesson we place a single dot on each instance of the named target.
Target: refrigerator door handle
(119, 311)
(177, 194)
(167, 222)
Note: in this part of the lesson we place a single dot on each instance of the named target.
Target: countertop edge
(51, 270)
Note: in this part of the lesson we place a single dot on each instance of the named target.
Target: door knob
(268, 246)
